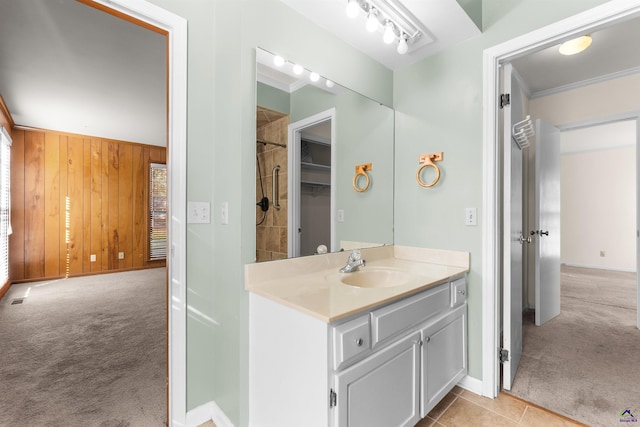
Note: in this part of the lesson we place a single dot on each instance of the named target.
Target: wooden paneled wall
(73, 197)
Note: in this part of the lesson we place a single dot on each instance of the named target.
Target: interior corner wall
(74, 196)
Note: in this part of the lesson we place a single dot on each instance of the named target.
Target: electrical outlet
(92, 257)
(120, 255)
(470, 216)
(199, 212)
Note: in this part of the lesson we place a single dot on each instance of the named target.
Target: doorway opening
(312, 151)
(493, 262)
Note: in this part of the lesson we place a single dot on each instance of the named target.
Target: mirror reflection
(311, 136)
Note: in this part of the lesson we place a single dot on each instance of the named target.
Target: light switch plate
(199, 212)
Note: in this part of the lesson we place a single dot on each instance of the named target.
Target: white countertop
(312, 284)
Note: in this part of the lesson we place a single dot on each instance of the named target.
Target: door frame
(293, 187)
(590, 20)
(176, 28)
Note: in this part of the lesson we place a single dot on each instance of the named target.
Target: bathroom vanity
(377, 347)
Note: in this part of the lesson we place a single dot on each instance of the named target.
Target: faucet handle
(355, 255)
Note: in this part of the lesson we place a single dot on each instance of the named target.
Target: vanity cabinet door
(382, 390)
(444, 357)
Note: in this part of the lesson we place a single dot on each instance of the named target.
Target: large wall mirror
(312, 135)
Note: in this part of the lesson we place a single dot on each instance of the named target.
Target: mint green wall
(221, 148)
(439, 103)
(272, 98)
(438, 106)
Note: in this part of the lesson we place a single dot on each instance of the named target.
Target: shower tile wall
(271, 235)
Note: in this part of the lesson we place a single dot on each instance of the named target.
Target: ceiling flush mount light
(397, 23)
(577, 45)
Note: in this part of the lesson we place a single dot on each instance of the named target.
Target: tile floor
(461, 408)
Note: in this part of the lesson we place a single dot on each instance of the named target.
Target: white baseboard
(600, 267)
(209, 411)
(474, 385)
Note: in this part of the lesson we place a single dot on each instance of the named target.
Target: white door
(547, 222)
(382, 390)
(513, 237)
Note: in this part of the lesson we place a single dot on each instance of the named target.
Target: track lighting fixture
(397, 23)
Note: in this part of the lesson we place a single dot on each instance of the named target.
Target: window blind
(157, 212)
(5, 203)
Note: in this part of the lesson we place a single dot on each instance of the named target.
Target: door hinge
(333, 398)
(503, 355)
(505, 99)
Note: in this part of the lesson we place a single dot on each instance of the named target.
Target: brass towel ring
(361, 170)
(428, 160)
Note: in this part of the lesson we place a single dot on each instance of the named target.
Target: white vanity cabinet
(383, 367)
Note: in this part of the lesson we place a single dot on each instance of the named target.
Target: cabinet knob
(461, 291)
(428, 339)
(358, 342)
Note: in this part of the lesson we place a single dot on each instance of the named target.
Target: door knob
(525, 239)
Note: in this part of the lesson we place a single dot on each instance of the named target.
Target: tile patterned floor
(461, 408)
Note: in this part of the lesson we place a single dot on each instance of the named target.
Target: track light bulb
(329, 83)
(314, 77)
(403, 47)
(297, 69)
(372, 21)
(353, 9)
(278, 61)
(389, 35)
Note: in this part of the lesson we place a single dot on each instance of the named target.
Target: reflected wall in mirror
(310, 137)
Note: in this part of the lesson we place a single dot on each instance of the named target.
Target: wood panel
(73, 197)
(64, 208)
(75, 192)
(96, 205)
(104, 224)
(125, 208)
(114, 197)
(17, 238)
(34, 204)
(51, 205)
(86, 205)
(139, 207)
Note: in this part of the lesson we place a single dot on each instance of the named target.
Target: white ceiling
(66, 66)
(69, 67)
(444, 21)
(613, 53)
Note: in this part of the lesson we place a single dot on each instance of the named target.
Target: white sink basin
(376, 277)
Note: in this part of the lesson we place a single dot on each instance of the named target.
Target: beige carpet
(88, 351)
(585, 363)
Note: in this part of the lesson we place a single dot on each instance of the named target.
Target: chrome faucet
(353, 263)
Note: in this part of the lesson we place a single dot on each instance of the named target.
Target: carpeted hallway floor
(87, 351)
(584, 363)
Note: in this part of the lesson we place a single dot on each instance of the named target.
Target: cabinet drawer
(397, 317)
(458, 292)
(350, 339)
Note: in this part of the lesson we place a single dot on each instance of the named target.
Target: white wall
(598, 197)
(589, 103)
